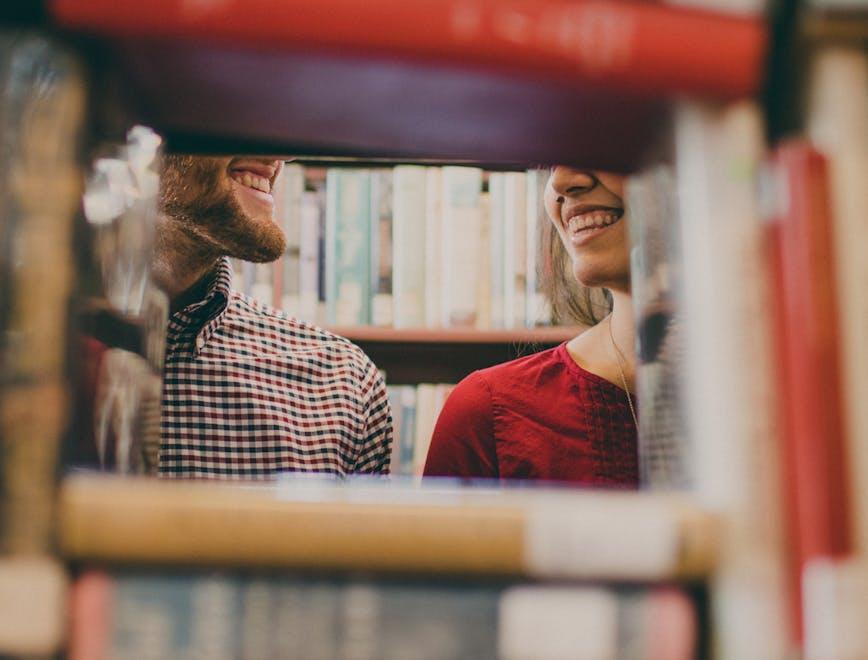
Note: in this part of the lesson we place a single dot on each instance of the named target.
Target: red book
(811, 401)
(627, 44)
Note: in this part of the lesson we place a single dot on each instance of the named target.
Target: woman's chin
(598, 278)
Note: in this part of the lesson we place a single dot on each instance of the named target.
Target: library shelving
(447, 355)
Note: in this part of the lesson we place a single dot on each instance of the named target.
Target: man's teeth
(592, 220)
(253, 181)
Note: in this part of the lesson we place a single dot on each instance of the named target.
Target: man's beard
(194, 194)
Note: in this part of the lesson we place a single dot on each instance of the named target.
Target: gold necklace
(619, 358)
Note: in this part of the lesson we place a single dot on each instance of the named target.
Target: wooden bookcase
(447, 355)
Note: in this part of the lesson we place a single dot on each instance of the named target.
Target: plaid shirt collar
(202, 318)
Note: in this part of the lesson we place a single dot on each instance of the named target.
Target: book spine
(394, 394)
(348, 223)
(248, 278)
(838, 125)
(497, 234)
(311, 221)
(43, 90)
(433, 240)
(237, 274)
(483, 267)
(262, 617)
(426, 417)
(836, 599)
(287, 270)
(626, 44)
(381, 248)
(407, 431)
(460, 246)
(537, 308)
(812, 400)
(262, 288)
(655, 265)
(734, 459)
(33, 591)
(409, 247)
(515, 249)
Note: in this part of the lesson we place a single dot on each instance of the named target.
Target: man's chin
(259, 253)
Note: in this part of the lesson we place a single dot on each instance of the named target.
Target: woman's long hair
(571, 302)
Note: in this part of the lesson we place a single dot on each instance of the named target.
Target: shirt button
(200, 343)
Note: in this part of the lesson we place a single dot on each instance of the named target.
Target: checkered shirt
(250, 392)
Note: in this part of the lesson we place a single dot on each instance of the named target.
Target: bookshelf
(424, 355)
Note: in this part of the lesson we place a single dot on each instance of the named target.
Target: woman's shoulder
(522, 369)
(525, 374)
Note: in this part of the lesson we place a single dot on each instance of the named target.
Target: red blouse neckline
(575, 369)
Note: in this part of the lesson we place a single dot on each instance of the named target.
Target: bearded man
(250, 392)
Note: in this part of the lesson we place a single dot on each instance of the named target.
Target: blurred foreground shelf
(489, 81)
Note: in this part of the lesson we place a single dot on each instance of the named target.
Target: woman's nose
(566, 181)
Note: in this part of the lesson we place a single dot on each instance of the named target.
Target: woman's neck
(624, 332)
(594, 351)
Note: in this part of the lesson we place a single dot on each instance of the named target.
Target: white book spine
(289, 269)
(460, 245)
(497, 235)
(381, 248)
(34, 595)
(557, 623)
(426, 417)
(331, 238)
(730, 407)
(835, 595)
(309, 245)
(537, 308)
(408, 251)
(348, 227)
(515, 249)
(262, 288)
(249, 277)
(237, 274)
(838, 125)
(483, 286)
(433, 231)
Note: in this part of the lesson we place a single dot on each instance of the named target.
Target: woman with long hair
(566, 414)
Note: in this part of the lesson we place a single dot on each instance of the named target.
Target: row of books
(407, 247)
(415, 409)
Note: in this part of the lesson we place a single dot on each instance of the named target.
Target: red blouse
(537, 417)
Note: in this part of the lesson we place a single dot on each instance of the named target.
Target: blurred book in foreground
(383, 526)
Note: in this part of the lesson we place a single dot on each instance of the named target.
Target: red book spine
(813, 447)
(90, 617)
(626, 44)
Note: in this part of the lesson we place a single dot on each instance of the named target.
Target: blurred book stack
(381, 570)
(41, 128)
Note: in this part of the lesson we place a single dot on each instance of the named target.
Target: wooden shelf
(426, 355)
(544, 335)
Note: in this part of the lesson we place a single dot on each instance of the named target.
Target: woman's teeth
(592, 220)
(252, 181)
